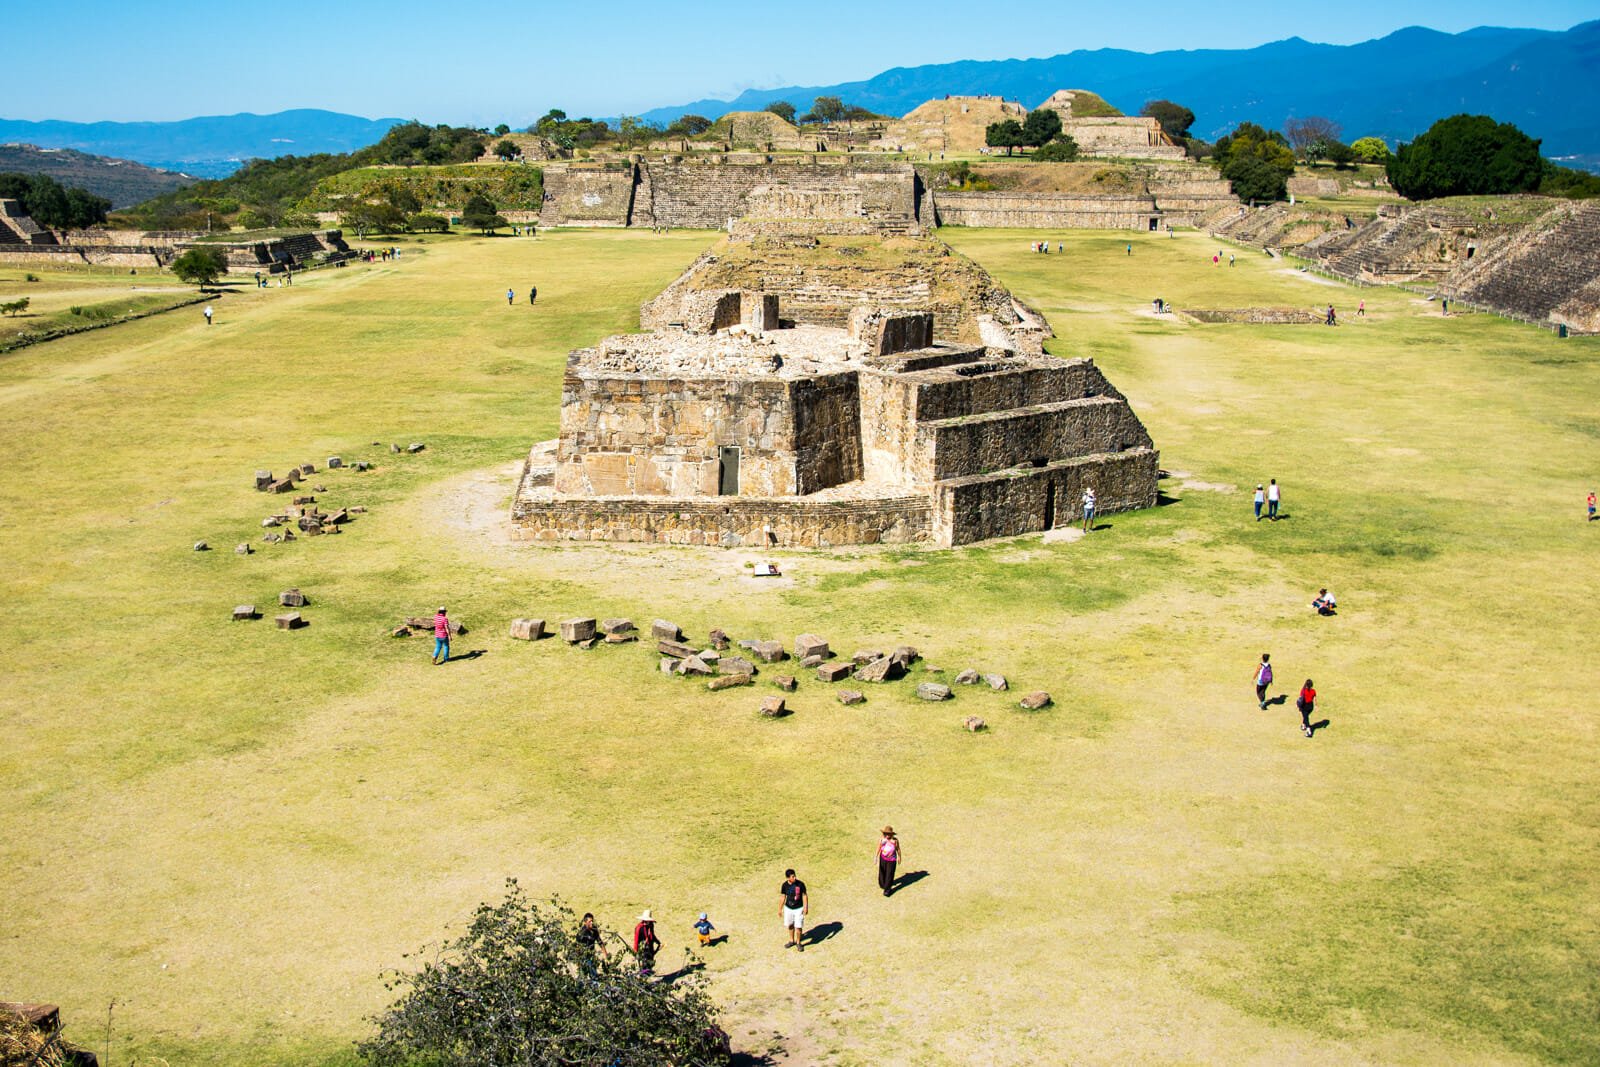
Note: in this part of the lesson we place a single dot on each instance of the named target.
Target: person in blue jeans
(1261, 498)
(441, 637)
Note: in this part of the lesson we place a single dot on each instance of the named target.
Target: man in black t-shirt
(796, 905)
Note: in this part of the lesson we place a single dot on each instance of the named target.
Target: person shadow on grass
(474, 654)
(905, 880)
(823, 932)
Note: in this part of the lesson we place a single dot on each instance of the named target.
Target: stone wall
(707, 196)
(66, 256)
(827, 432)
(727, 521)
(587, 194)
(1014, 502)
(1128, 136)
(1038, 211)
(995, 441)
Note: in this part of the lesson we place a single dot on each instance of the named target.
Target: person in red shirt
(888, 859)
(646, 943)
(1307, 703)
(441, 637)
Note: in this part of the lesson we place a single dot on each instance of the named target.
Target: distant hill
(209, 147)
(121, 181)
(1393, 87)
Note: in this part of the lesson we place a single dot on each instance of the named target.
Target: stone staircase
(1551, 272)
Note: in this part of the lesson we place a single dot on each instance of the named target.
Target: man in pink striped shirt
(441, 637)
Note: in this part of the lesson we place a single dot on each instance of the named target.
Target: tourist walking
(441, 637)
(1307, 703)
(533, 294)
(1272, 500)
(511, 297)
(1332, 319)
(888, 859)
(1260, 500)
(589, 935)
(1088, 509)
(1263, 678)
(796, 906)
(1130, 250)
(208, 314)
(646, 943)
(1361, 309)
(703, 928)
(1591, 505)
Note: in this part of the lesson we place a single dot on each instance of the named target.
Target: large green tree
(1257, 161)
(1175, 119)
(1041, 127)
(519, 988)
(826, 109)
(1007, 134)
(781, 108)
(201, 266)
(1466, 155)
(52, 204)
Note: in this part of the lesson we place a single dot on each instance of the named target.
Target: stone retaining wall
(1039, 211)
(996, 441)
(1016, 502)
(727, 521)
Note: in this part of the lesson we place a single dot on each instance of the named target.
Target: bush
(1370, 149)
(518, 988)
(1062, 150)
(30, 277)
(1466, 155)
(427, 224)
(15, 307)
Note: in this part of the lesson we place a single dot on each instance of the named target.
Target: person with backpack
(1263, 678)
(888, 859)
(1307, 703)
(646, 943)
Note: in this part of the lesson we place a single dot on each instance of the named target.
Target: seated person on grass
(1324, 604)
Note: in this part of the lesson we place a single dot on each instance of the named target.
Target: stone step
(1032, 436)
(1025, 499)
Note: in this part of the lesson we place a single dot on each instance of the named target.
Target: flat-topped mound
(952, 123)
(1080, 104)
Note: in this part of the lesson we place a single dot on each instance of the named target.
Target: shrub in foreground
(519, 988)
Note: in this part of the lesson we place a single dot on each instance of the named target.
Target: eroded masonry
(785, 394)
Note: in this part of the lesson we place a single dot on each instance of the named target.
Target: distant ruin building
(18, 228)
(24, 243)
(1110, 136)
(742, 420)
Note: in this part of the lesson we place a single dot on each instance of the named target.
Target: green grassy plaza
(234, 831)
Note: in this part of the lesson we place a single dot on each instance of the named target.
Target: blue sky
(480, 62)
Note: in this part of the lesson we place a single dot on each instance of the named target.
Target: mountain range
(121, 181)
(1393, 87)
(209, 147)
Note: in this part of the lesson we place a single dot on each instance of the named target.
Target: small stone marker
(905, 655)
(527, 629)
(303, 500)
(662, 630)
(676, 649)
(414, 448)
(968, 677)
(736, 665)
(394, 448)
(1035, 701)
(363, 466)
(729, 681)
(883, 669)
(271, 538)
(307, 468)
(620, 639)
(587, 643)
(866, 656)
(696, 666)
(201, 546)
(575, 630)
(338, 516)
(719, 641)
(241, 550)
(243, 612)
(320, 488)
(290, 621)
(786, 682)
(334, 463)
(807, 645)
(288, 535)
(270, 520)
(852, 696)
(774, 707)
(768, 651)
(284, 486)
(997, 682)
(293, 598)
(668, 665)
(974, 724)
(933, 691)
(400, 631)
(264, 480)
(833, 672)
(812, 661)
(617, 626)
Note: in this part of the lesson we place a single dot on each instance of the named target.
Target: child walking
(703, 927)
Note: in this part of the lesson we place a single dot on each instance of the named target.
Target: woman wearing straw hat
(645, 943)
(888, 859)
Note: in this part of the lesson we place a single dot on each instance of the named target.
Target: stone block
(729, 681)
(264, 480)
(415, 447)
(662, 630)
(974, 724)
(288, 535)
(675, 649)
(400, 631)
(774, 707)
(933, 691)
(290, 620)
(527, 629)
(758, 311)
(617, 626)
(588, 642)
(620, 639)
(363, 466)
(1035, 701)
(320, 488)
(337, 517)
(293, 598)
(201, 546)
(833, 672)
(270, 521)
(307, 468)
(242, 550)
(786, 682)
(245, 611)
(968, 677)
(575, 630)
(668, 665)
(286, 485)
(719, 641)
(882, 669)
(696, 666)
(310, 524)
(811, 661)
(852, 696)
(905, 655)
(866, 656)
(736, 665)
(997, 682)
(810, 645)
(394, 448)
(886, 333)
(334, 463)
(769, 651)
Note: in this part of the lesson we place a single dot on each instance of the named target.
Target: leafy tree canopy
(1007, 134)
(1370, 149)
(1257, 161)
(201, 266)
(501, 130)
(826, 109)
(1041, 127)
(1175, 119)
(1062, 150)
(517, 987)
(1466, 155)
(688, 126)
(53, 205)
(781, 108)
(507, 150)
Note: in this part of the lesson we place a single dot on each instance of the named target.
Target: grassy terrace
(233, 831)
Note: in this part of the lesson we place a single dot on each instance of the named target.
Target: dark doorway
(728, 471)
(1049, 505)
(1152, 225)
